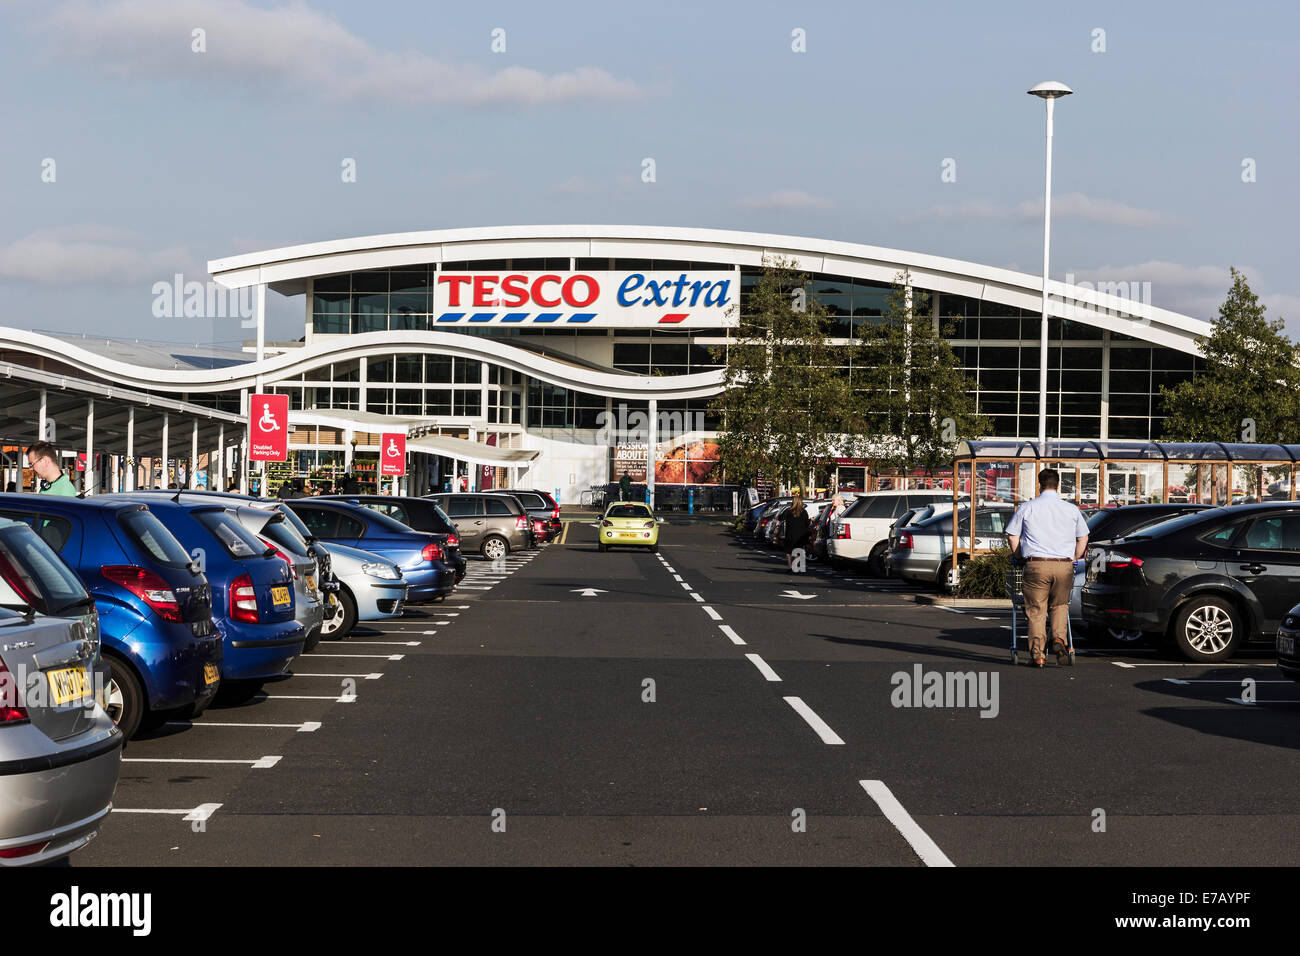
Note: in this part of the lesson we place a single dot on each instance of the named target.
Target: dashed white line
(382, 657)
(194, 815)
(763, 667)
(371, 676)
(699, 597)
(712, 613)
(686, 586)
(819, 726)
(261, 763)
(917, 838)
(726, 629)
(306, 727)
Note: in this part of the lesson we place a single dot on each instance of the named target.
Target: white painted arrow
(796, 594)
(587, 592)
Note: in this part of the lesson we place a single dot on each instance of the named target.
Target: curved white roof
(287, 269)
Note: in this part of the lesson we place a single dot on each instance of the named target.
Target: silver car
(371, 588)
(60, 753)
(923, 550)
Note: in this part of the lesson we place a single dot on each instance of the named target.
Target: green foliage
(915, 402)
(786, 401)
(985, 575)
(1250, 376)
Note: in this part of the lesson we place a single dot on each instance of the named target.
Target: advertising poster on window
(628, 458)
(688, 463)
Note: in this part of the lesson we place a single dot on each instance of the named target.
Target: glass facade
(1099, 384)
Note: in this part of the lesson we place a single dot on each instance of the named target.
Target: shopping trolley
(1015, 591)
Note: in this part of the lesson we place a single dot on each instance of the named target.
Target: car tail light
(843, 531)
(11, 710)
(607, 524)
(283, 557)
(1115, 560)
(243, 600)
(521, 522)
(431, 552)
(147, 586)
(555, 515)
(17, 852)
(905, 542)
(648, 524)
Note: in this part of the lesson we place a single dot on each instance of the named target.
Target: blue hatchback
(428, 577)
(155, 611)
(252, 591)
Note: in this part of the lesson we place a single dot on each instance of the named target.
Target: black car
(1209, 581)
(541, 507)
(1288, 661)
(422, 514)
(1107, 524)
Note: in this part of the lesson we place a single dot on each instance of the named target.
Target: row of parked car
(1207, 580)
(120, 612)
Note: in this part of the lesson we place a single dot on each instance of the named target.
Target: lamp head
(1050, 90)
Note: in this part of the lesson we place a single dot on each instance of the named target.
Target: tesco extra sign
(588, 298)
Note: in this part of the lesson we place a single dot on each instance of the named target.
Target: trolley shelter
(1107, 474)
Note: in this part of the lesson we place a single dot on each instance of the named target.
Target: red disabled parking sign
(392, 456)
(268, 428)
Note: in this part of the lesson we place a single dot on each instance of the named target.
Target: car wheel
(654, 548)
(876, 560)
(1207, 629)
(341, 624)
(125, 702)
(495, 547)
(238, 691)
(600, 547)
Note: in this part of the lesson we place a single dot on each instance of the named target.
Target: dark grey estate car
(491, 524)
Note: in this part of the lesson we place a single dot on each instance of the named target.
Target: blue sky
(165, 158)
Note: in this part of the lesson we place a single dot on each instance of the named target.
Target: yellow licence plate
(211, 674)
(69, 684)
(311, 582)
(279, 596)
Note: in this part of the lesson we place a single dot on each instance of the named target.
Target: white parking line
(337, 676)
(261, 763)
(712, 613)
(916, 838)
(950, 610)
(471, 587)
(1180, 680)
(686, 586)
(818, 725)
(382, 657)
(726, 629)
(1174, 664)
(763, 667)
(677, 577)
(1256, 703)
(344, 699)
(306, 727)
(197, 814)
(370, 643)
(699, 597)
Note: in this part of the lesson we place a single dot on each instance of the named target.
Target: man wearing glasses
(44, 459)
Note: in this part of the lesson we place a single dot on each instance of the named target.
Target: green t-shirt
(60, 486)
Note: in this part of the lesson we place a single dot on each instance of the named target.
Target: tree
(915, 399)
(786, 401)
(1249, 389)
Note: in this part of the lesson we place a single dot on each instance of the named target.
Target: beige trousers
(1047, 586)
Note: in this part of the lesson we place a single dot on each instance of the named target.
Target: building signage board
(268, 428)
(595, 299)
(392, 458)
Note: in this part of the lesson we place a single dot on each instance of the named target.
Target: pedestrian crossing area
(483, 575)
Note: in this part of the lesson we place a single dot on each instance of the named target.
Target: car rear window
(32, 574)
(238, 541)
(532, 501)
(628, 511)
(282, 533)
(383, 521)
(146, 532)
(498, 507)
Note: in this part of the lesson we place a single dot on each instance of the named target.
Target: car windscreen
(32, 574)
(294, 520)
(150, 535)
(628, 511)
(448, 524)
(238, 541)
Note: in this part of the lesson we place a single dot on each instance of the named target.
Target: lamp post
(1049, 92)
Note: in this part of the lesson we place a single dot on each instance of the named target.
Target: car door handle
(1254, 568)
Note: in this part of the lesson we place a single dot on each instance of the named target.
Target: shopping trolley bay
(703, 704)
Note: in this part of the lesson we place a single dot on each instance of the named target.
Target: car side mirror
(659, 520)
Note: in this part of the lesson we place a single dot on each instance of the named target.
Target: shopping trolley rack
(1015, 591)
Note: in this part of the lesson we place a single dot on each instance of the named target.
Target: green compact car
(628, 524)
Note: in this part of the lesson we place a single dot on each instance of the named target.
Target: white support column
(243, 443)
(40, 423)
(165, 456)
(220, 483)
(130, 448)
(191, 471)
(652, 440)
(89, 482)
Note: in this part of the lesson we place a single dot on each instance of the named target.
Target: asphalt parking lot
(702, 706)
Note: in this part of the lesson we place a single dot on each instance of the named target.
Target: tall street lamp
(1049, 92)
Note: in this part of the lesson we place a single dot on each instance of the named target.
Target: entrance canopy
(472, 451)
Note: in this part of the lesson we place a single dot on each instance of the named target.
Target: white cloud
(1066, 206)
(784, 200)
(299, 46)
(92, 253)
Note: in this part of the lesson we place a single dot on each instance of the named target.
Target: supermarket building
(559, 357)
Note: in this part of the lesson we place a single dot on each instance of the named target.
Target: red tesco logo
(547, 291)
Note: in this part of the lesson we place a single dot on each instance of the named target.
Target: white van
(862, 532)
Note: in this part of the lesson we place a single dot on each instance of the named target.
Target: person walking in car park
(1050, 534)
(44, 459)
(624, 488)
(796, 530)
